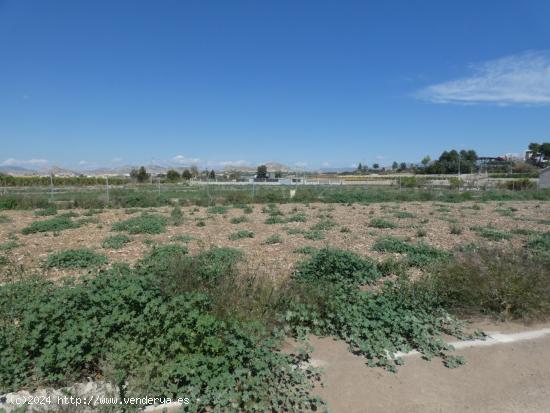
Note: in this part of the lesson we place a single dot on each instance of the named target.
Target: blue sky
(307, 83)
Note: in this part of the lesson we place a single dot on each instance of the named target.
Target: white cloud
(301, 164)
(325, 164)
(116, 160)
(380, 157)
(83, 162)
(25, 162)
(184, 160)
(522, 79)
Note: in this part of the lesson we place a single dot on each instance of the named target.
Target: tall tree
(140, 175)
(426, 160)
(186, 174)
(212, 175)
(261, 172)
(172, 175)
(394, 165)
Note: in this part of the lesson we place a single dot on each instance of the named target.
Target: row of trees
(540, 153)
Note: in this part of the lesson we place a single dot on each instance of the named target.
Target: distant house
(544, 178)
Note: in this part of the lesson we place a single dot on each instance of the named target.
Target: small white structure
(544, 178)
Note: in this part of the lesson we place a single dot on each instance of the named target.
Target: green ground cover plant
(314, 235)
(241, 234)
(48, 211)
(381, 223)
(116, 242)
(144, 224)
(491, 233)
(418, 255)
(238, 220)
(273, 239)
(5, 220)
(55, 224)
(375, 324)
(75, 258)
(173, 347)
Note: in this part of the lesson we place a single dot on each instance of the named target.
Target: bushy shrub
(158, 261)
(144, 224)
(75, 258)
(521, 184)
(502, 283)
(54, 224)
(116, 242)
(540, 244)
(337, 266)
(404, 214)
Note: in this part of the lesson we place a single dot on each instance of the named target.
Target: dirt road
(506, 377)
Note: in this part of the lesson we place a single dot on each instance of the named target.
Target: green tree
(140, 174)
(360, 168)
(375, 166)
(261, 172)
(394, 165)
(426, 160)
(194, 171)
(278, 174)
(212, 175)
(172, 175)
(402, 166)
(186, 174)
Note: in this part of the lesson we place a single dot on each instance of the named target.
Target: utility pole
(51, 186)
(107, 186)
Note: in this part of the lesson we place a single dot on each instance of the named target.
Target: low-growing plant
(491, 233)
(418, 255)
(75, 258)
(421, 232)
(314, 235)
(48, 211)
(381, 223)
(241, 234)
(503, 283)
(116, 242)
(5, 220)
(176, 216)
(306, 249)
(273, 239)
(324, 225)
(185, 238)
(144, 224)
(345, 230)
(275, 219)
(217, 210)
(7, 246)
(55, 224)
(120, 328)
(238, 220)
(404, 214)
(455, 229)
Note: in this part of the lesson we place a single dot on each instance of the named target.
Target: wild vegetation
(207, 325)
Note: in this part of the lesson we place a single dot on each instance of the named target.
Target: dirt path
(505, 377)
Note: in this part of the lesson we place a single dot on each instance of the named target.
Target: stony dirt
(277, 260)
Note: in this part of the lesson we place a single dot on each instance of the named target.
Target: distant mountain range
(125, 170)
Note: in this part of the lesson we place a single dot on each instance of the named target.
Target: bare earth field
(277, 260)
